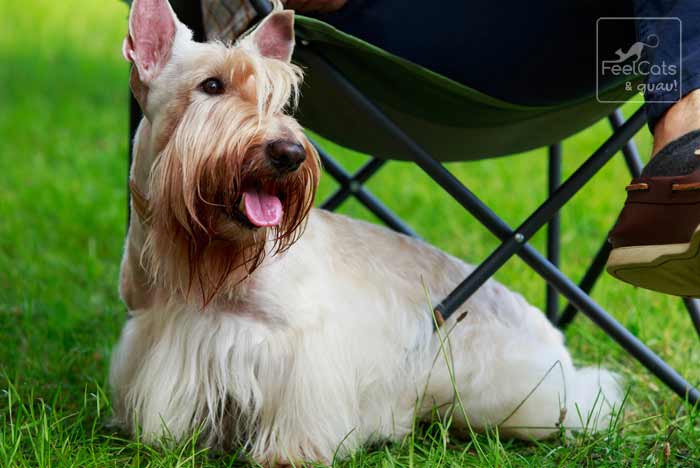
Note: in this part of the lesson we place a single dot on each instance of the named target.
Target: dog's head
(233, 176)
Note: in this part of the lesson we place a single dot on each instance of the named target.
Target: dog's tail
(595, 401)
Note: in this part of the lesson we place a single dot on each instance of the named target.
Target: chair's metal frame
(513, 241)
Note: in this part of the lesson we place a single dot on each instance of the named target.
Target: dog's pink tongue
(262, 209)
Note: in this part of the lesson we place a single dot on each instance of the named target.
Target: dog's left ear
(274, 36)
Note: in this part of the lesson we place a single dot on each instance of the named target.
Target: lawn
(63, 125)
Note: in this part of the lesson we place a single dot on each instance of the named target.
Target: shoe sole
(671, 269)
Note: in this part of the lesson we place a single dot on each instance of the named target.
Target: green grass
(63, 123)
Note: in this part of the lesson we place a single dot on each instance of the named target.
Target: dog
(299, 335)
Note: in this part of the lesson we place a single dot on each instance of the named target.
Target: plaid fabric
(225, 20)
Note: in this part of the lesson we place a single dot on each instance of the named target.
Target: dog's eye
(212, 86)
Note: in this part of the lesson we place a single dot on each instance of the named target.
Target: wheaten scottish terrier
(297, 334)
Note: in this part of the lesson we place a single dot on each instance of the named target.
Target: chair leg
(135, 116)
(553, 230)
(355, 188)
(540, 264)
(191, 14)
(693, 306)
(596, 268)
(352, 185)
(543, 214)
(635, 165)
(629, 151)
(587, 283)
(262, 7)
(585, 303)
(512, 242)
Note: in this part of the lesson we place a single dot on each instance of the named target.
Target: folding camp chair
(342, 70)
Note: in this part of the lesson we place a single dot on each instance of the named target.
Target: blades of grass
(447, 356)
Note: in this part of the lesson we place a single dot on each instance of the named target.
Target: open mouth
(258, 208)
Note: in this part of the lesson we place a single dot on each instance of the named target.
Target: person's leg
(530, 53)
(504, 49)
(679, 119)
(673, 106)
(656, 240)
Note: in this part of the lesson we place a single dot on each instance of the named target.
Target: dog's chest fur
(328, 321)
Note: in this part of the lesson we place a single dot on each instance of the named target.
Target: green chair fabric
(450, 120)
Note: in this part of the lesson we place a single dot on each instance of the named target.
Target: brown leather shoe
(656, 240)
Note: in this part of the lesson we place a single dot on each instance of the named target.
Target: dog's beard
(200, 242)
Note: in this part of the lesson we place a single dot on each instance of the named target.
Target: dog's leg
(279, 394)
(126, 360)
(519, 377)
(134, 287)
(167, 384)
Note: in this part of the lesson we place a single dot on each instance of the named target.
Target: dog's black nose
(285, 155)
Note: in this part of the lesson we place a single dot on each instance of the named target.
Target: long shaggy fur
(305, 341)
(197, 180)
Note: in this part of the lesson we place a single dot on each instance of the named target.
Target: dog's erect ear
(152, 29)
(274, 36)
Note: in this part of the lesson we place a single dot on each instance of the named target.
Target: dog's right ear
(274, 36)
(152, 29)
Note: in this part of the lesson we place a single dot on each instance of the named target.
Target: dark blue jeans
(678, 36)
(540, 52)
